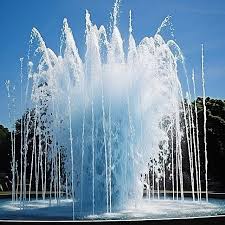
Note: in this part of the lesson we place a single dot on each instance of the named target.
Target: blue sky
(195, 22)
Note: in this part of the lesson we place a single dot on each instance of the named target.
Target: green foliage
(215, 136)
(3, 133)
(215, 140)
(5, 150)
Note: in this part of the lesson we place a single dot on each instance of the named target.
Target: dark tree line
(5, 148)
(215, 143)
(215, 139)
(29, 138)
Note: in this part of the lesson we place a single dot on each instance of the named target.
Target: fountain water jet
(104, 126)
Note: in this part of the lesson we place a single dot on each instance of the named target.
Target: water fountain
(97, 129)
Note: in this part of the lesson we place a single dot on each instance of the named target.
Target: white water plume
(98, 121)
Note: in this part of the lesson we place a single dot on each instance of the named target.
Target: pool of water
(144, 209)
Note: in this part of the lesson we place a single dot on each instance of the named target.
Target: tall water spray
(204, 110)
(98, 128)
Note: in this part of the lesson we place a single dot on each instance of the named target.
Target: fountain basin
(144, 210)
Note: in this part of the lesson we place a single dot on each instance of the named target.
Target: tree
(5, 148)
(215, 135)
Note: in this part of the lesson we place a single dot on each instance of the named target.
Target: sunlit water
(145, 209)
(100, 122)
